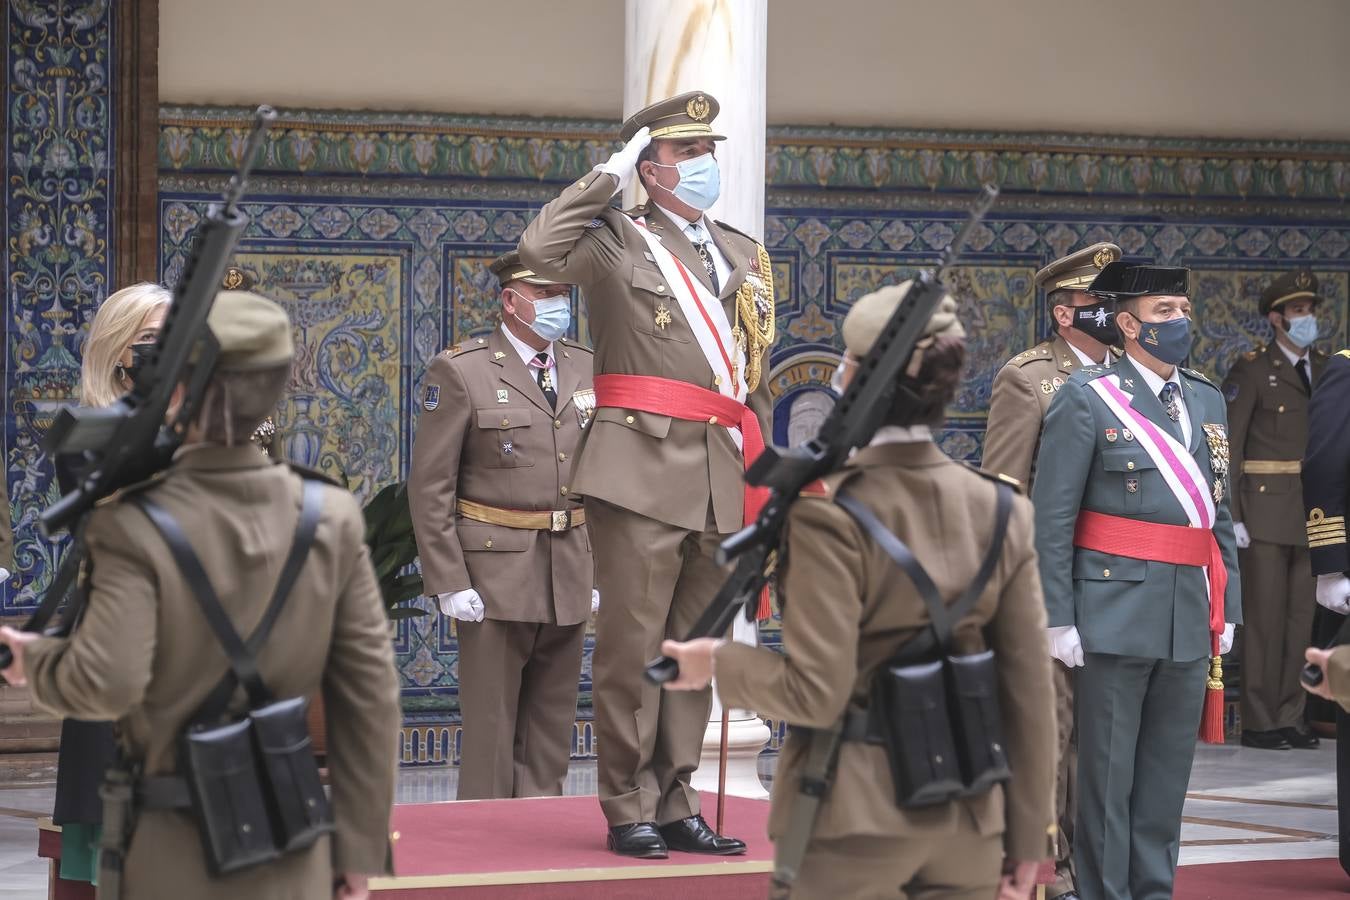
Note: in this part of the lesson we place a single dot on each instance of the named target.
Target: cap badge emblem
(234, 279)
(1103, 258)
(698, 108)
(1303, 281)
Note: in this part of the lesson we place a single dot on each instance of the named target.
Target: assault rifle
(134, 438)
(852, 423)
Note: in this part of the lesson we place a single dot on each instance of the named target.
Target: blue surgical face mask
(1302, 330)
(552, 316)
(700, 181)
(1168, 341)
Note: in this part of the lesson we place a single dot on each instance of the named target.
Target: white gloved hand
(1065, 644)
(623, 164)
(595, 601)
(1333, 592)
(466, 606)
(1244, 540)
(4, 574)
(1226, 639)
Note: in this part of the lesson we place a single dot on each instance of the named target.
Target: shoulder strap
(242, 655)
(942, 617)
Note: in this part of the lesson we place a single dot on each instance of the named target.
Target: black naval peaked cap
(688, 115)
(1122, 281)
(1300, 284)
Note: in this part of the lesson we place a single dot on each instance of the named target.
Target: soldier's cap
(508, 268)
(253, 332)
(688, 115)
(1300, 284)
(1123, 281)
(872, 311)
(1077, 270)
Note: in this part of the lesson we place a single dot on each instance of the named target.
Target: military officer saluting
(1085, 329)
(682, 312)
(1267, 391)
(1326, 496)
(503, 548)
(1140, 574)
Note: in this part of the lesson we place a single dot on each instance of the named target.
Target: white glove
(595, 601)
(4, 574)
(466, 606)
(1226, 639)
(1065, 645)
(1333, 592)
(623, 164)
(1244, 540)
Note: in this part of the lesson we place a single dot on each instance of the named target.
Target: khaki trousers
(518, 699)
(654, 581)
(960, 866)
(1279, 596)
(1066, 781)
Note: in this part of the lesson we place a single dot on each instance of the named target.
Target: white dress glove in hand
(466, 606)
(1065, 645)
(1333, 592)
(623, 164)
(1226, 639)
(1244, 540)
(4, 574)
(595, 601)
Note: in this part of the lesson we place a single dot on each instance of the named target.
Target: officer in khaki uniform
(682, 312)
(848, 609)
(145, 656)
(1084, 332)
(1267, 391)
(503, 548)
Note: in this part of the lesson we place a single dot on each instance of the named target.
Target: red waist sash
(1179, 545)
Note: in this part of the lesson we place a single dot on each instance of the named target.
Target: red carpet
(554, 848)
(1283, 879)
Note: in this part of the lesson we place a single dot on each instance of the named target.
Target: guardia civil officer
(1085, 330)
(145, 656)
(849, 609)
(1139, 567)
(1267, 390)
(503, 549)
(682, 313)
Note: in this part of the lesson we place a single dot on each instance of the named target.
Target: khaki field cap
(686, 116)
(872, 311)
(1300, 284)
(1077, 270)
(253, 332)
(508, 268)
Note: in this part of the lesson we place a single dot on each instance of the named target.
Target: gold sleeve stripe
(1328, 542)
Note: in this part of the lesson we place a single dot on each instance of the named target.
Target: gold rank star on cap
(688, 115)
(1077, 270)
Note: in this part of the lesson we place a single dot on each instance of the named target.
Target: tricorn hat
(1122, 281)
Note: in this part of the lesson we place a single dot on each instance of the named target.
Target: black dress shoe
(1264, 740)
(640, 839)
(1299, 740)
(692, 835)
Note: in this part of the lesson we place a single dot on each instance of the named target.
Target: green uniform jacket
(1125, 606)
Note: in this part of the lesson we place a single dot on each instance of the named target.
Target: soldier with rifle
(216, 592)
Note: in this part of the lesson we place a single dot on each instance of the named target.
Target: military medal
(431, 397)
(1045, 386)
(755, 314)
(1057, 382)
(583, 402)
(508, 447)
(502, 396)
(1127, 434)
(663, 317)
(1110, 435)
(1216, 437)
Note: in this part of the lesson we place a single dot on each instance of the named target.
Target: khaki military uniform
(847, 611)
(145, 656)
(1268, 430)
(660, 490)
(489, 495)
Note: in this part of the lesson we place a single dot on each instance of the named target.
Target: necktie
(542, 362)
(1168, 395)
(1302, 368)
(700, 241)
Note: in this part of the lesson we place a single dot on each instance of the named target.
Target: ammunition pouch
(937, 714)
(251, 782)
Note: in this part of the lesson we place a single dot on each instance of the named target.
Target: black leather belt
(163, 792)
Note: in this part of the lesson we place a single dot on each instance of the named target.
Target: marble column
(720, 47)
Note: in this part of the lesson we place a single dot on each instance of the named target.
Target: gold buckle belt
(1271, 466)
(542, 520)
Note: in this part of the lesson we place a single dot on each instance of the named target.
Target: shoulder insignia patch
(431, 397)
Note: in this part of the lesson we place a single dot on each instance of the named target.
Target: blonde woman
(124, 326)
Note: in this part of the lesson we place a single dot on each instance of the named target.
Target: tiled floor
(1243, 804)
